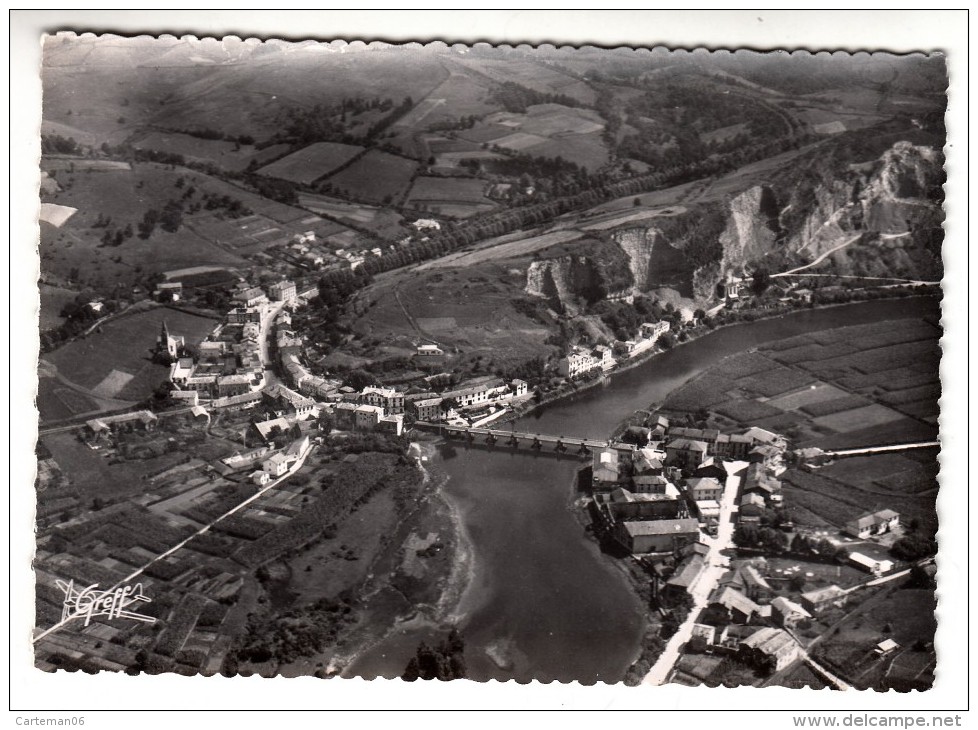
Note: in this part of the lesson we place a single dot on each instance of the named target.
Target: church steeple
(164, 336)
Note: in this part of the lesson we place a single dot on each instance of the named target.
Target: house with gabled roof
(685, 453)
(821, 599)
(872, 523)
(727, 605)
(771, 649)
(786, 613)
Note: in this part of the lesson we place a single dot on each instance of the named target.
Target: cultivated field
(56, 215)
(375, 177)
(843, 388)
(457, 197)
(311, 163)
(907, 616)
(548, 130)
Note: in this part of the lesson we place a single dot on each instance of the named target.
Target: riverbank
(387, 564)
(417, 584)
(697, 332)
(651, 644)
(540, 602)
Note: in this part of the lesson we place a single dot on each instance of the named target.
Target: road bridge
(520, 439)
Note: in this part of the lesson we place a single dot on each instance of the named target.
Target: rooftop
(662, 527)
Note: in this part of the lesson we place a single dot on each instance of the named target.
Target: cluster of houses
(657, 491)
(304, 250)
(746, 617)
(228, 361)
(471, 403)
(602, 358)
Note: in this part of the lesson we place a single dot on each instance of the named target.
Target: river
(541, 601)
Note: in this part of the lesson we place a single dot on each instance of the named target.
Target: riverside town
(489, 363)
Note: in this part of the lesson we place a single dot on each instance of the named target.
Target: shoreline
(448, 610)
(696, 334)
(439, 615)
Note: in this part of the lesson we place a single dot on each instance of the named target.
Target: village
(744, 595)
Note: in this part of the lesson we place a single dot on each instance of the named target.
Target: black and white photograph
(613, 365)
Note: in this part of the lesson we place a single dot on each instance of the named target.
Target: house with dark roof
(727, 605)
(770, 649)
(685, 453)
(656, 536)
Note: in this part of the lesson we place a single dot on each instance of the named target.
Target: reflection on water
(542, 602)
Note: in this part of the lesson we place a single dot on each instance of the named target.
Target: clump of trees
(516, 98)
(913, 547)
(58, 145)
(444, 662)
(766, 537)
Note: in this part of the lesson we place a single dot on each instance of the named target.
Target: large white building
(577, 363)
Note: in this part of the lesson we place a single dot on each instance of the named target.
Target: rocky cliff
(875, 214)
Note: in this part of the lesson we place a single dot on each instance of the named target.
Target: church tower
(170, 345)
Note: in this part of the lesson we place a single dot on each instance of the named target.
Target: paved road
(715, 566)
(271, 312)
(882, 449)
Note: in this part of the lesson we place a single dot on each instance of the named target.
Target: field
(821, 390)
(56, 215)
(853, 486)
(114, 364)
(375, 177)
(531, 74)
(124, 196)
(472, 308)
(224, 154)
(53, 298)
(864, 385)
(905, 615)
(311, 163)
(454, 196)
(547, 130)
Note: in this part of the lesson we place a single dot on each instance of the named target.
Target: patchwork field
(545, 130)
(458, 197)
(312, 162)
(907, 616)
(844, 388)
(375, 177)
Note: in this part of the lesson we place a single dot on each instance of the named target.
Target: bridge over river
(541, 442)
